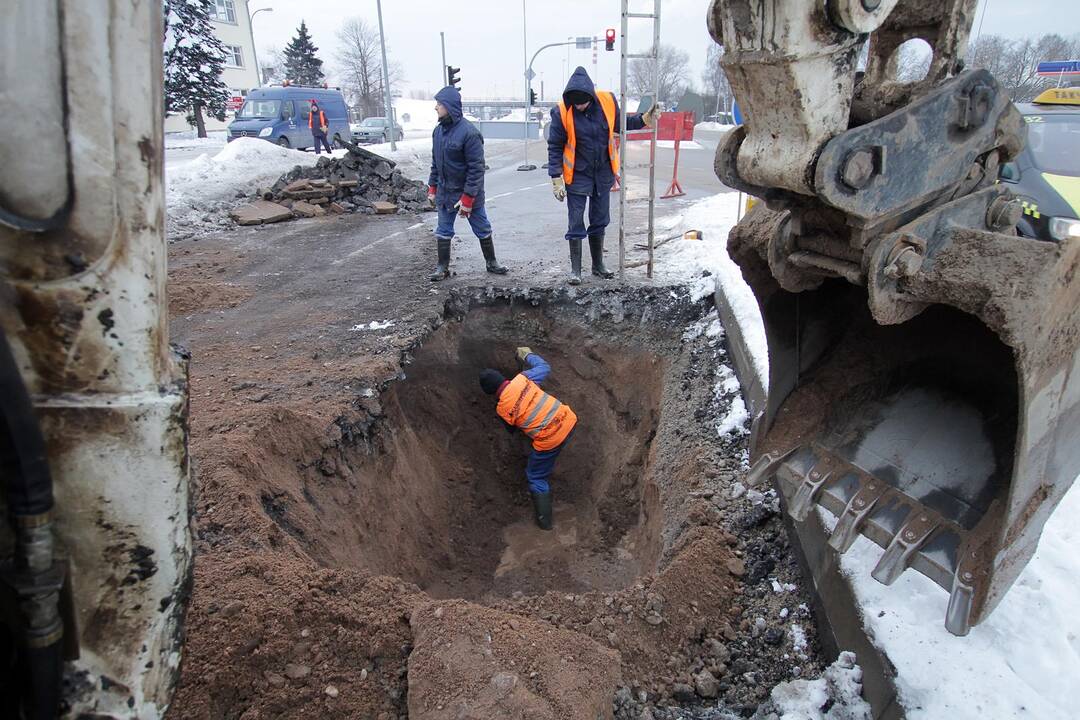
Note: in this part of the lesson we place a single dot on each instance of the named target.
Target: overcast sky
(484, 37)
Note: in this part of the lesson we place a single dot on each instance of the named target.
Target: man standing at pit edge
(583, 163)
(548, 422)
(456, 183)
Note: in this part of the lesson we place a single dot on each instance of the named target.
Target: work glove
(431, 196)
(523, 352)
(324, 129)
(464, 206)
(558, 186)
(649, 116)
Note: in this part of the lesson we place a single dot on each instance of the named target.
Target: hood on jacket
(580, 82)
(450, 98)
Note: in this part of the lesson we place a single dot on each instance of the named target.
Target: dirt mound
(473, 663)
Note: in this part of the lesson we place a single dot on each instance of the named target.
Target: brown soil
(345, 479)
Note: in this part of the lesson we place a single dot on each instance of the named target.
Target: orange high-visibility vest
(525, 405)
(311, 119)
(607, 104)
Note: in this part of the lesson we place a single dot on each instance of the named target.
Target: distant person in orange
(317, 122)
(548, 423)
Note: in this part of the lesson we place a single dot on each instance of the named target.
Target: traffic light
(452, 75)
(532, 96)
(610, 38)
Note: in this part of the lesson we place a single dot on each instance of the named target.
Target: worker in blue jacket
(583, 163)
(456, 183)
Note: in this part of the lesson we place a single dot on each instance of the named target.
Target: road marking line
(364, 249)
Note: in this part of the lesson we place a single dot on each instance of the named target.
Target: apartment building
(232, 25)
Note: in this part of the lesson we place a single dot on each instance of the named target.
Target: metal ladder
(623, 57)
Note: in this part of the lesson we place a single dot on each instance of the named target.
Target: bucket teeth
(916, 531)
(808, 492)
(765, 466)
(855, 515)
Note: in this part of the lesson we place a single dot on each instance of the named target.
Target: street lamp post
(386, 80)
(254, 52)
(528, 86)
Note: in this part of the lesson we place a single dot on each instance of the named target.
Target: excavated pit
(418, 493)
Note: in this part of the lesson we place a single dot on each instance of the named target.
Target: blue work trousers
(540, 466)
(599, 213)
(321, 138)
(478, 220)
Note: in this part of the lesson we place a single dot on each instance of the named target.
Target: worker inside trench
(439, 495)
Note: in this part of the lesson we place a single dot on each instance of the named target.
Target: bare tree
(913, 60)
(360, 63)
(418, 94)
(1015, 62)
(272, 65)
(673, 67)
(717, 88)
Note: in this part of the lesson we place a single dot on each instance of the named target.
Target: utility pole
(528, 82)
(442, 40)
(386, 81)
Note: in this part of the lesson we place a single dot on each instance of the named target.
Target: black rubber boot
(542, 509)
(442, 270)
(596, 249)
(487, 246)
(575, 262)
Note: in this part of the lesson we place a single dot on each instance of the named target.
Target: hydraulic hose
(33, 576)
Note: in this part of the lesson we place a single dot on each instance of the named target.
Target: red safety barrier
(665, 130)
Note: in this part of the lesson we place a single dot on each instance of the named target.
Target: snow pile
(735, 420)
(713, 127)
(1023, 661)
(181, 140)
(705, 264)
(421, 113)
(374, 325)
(836, 695)
(199, 195)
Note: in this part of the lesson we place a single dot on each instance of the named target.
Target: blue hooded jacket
(457, 155)
(592, 164)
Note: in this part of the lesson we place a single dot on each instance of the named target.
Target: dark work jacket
(592, 163)
(457, 155)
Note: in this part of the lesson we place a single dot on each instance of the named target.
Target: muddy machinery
(95, 554)
(924, 381)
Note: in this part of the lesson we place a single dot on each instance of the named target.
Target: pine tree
(301, 65)
(194, 59)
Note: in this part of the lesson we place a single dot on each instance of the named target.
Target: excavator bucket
(924, 380)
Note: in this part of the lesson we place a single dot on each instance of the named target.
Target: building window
(234, 56)
(224, 11)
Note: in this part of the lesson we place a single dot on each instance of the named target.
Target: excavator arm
(924, 385)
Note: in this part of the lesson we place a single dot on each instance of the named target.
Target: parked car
(280, 114)
(375, 130)
(1046, 173)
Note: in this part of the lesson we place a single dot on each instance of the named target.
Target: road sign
(530, 74)
(583, 43)
(1054, 68)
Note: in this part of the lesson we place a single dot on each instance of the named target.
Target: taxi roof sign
(1058, 96)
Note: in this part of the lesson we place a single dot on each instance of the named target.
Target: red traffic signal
(610, 37)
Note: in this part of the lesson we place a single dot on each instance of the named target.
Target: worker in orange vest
(317, 123)
(583, 163)
(546, 421)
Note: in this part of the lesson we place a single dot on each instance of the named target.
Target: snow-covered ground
(199, 194)
(1024, 660)
(415, 114)
(178, 140)
(713, 126)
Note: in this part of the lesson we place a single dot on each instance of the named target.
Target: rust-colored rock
(384, 208)
(302, 208)
(259, 212)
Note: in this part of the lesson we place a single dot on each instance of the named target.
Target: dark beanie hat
(490, 380)
(576, 97)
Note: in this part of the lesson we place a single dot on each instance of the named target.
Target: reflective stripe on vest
(540, 416)
(607, 104)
